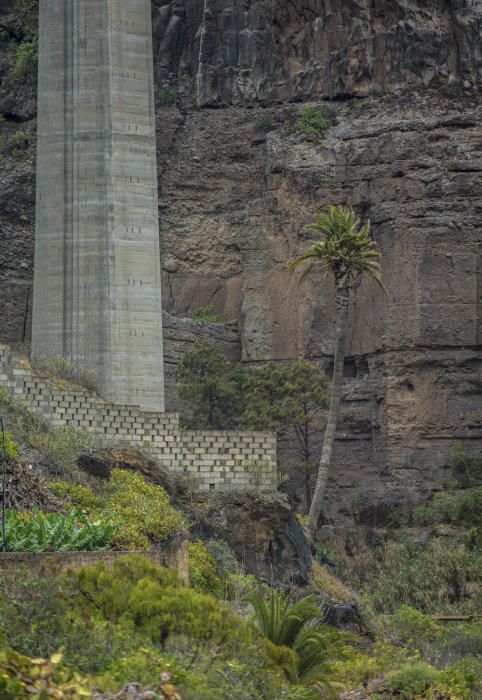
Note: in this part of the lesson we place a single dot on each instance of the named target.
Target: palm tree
(297, 626)
(347, 252)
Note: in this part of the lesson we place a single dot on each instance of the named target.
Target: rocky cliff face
(238, 184)
(242, 52)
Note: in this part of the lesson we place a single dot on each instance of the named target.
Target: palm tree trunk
(342, 299)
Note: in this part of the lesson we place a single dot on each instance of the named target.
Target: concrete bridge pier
(97, 290)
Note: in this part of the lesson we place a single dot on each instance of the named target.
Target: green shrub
(206, 314)
(451, 508)
(203, 574)
(82, 496)
(13, 145)
(458, 641)
(435, 578)
(36, 532)
(463, 679)
(24, 54)
(151, 600)
(142, 511)
(356, 665)
(412, 680)
(412, 626)
(23, 62)
(265, 124)
(312, 123)
(12, 449)
(167, 96)
(224, 557)
(467, 467)
(129, 621)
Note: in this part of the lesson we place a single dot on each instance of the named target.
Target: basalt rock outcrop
(261, 529)
(399, 82)
(241, 52)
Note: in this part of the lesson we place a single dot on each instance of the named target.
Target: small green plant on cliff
(24, 54)
(14, 144)
(265, 124)
(55, 532)
(24, 59)
(206, 314)
(312, 123)
(466, 466)
(167, 96)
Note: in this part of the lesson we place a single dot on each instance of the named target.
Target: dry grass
(329, 584)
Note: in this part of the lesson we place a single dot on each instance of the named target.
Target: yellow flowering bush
(143, 511)
(81, 496)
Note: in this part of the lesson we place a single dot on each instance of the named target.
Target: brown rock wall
(234, 201)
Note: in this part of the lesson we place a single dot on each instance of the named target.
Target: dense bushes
(203, 574)
(438, 643)
(440, 577)
(129, 621)
(142, 512)
(23, 56)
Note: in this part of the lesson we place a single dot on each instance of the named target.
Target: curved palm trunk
(342, 299)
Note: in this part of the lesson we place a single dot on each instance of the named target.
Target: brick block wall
(212, 460)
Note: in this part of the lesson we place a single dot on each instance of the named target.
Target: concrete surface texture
(97, 298)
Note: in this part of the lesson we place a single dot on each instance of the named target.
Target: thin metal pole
(4, 486)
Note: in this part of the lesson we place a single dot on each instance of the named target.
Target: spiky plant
(298, 626)
(347, 252)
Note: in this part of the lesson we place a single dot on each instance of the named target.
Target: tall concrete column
(97, 291)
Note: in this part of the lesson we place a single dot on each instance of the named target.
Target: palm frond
(346, 249)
